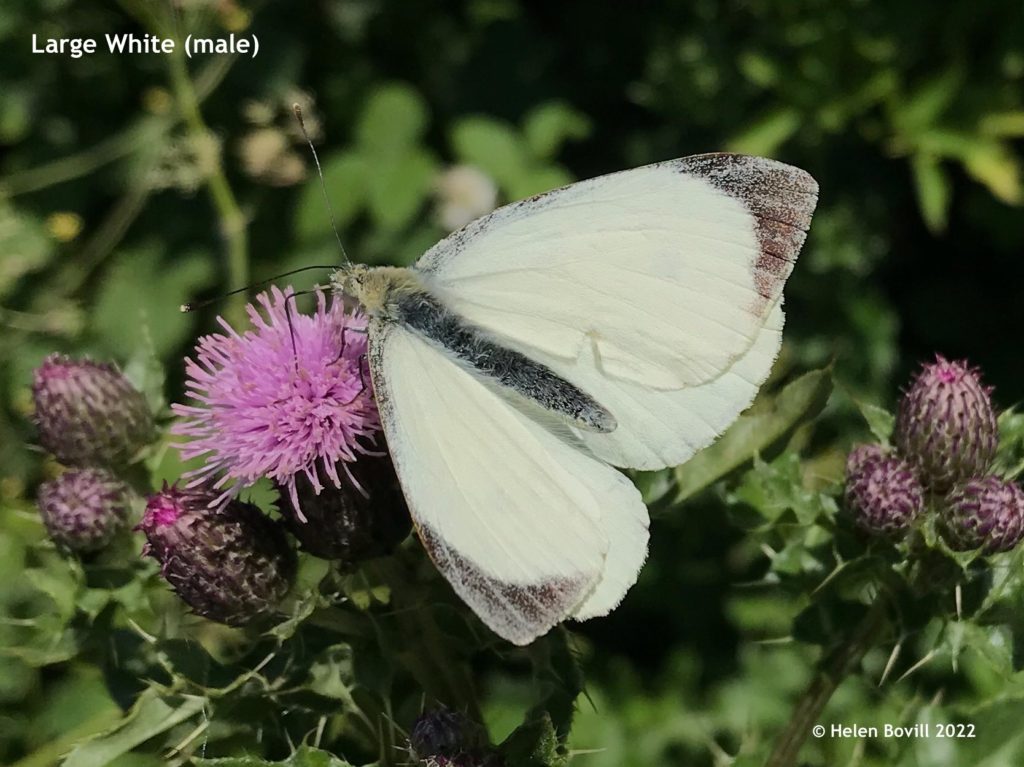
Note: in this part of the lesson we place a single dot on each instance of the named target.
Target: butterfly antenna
(195, 306)
(323, 184)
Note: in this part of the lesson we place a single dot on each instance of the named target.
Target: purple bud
(882, 492)
(83, 509)
(230, 564)
(945, 425)
(446, 737)
(88, 414)
(986, 514)
(345, 524)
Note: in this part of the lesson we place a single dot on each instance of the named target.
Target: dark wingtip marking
(519, 612)
(781, 198)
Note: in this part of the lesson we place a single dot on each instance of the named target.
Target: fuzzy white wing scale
(527, 528)
(668, 272)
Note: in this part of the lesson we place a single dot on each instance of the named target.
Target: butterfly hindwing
(512, 514)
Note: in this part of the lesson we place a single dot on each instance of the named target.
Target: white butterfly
(622, 321)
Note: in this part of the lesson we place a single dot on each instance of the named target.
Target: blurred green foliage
(119, 202)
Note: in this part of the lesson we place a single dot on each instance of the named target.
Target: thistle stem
(232, 220)
(832, 670)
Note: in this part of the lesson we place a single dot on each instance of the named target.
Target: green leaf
(304, 756)
(399, 187)
(933, 191)
(346, 176)
(547, 127)
(494, 147)
(149, 717)
(879, 420)
(923, 108)
(24, 243)
(1003, 124)
(138, 301)
(767, 134)
(995, 165)
(769, 421)
(392, 121)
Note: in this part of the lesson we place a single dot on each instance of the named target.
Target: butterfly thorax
(380, 290)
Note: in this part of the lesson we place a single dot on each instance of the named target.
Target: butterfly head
(376, 288)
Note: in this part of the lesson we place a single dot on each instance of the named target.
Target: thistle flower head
(351, 524)
(83, 509)
(945, 425)
(88, 414)
(882, 492)
(230, 563)
(290, 396)
(986, 513)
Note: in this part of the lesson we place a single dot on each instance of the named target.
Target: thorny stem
(232, 220)
(831, 672)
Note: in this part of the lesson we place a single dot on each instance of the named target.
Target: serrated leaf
(149, 717)
(534, 744)
(933, 191)
(768, 422)
(392, 121)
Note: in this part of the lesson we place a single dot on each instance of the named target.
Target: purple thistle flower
(279, 401)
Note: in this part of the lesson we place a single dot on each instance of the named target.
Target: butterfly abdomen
(474, 348)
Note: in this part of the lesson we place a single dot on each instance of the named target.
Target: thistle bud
(83, 509)
(346, 523)
(882, 491)
(986, 514)
(448, 738)
(945, 425)
(88, 414)
(230, 563)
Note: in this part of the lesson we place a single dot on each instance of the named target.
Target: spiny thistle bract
(352, 523)
(83, 509)
(291, 396)
(882, 491)
(946, 426)
(985, 513)
(88, 414)
(229, 563)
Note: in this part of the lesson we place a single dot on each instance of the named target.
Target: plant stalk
(232, 221)
(830, 673)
